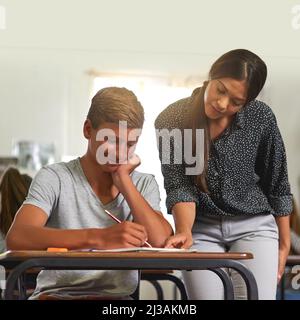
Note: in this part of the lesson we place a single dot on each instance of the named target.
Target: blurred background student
(13, 191)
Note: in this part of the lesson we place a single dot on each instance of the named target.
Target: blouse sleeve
(178, 185)
(272, 169)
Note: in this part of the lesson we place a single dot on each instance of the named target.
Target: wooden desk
(20, 261)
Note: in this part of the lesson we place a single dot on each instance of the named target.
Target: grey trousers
(255, 234)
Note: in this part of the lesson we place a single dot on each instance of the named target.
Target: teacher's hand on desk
(182, 239)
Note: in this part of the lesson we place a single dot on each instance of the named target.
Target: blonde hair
(114, 104)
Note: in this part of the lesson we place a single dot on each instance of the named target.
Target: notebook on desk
(138, 249)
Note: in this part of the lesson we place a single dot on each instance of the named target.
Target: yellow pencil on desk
(57, 249)
(119, 221)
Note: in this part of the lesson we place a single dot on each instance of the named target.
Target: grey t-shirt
(63, 192)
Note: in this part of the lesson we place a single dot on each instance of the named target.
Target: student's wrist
(124, 181)
(124, 176)
(93, 238)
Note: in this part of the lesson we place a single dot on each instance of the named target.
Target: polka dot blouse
(247, 169)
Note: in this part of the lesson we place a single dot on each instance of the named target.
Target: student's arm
(28, 232)
(157, 227)
(283, 224)
(184, 216)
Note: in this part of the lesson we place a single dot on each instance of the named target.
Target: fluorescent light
(2, 18)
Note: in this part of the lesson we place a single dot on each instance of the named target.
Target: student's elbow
(160, 240)
(11, 240)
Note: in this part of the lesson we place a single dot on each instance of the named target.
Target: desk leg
(227, 283)
(14, 278)
(156, 277)
(22, 286)
(158, 288)
(247, 275)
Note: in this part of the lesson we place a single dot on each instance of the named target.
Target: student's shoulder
(174, 115)
(58, 170)
(143, 178)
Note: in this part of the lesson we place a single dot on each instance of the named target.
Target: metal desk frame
(20, 261)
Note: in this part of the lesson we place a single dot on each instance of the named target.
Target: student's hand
(283, 254)
(124, 170)
(128, 167)
(183, 240)
(121, 235)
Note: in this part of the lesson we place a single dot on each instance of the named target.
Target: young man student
(66, 202)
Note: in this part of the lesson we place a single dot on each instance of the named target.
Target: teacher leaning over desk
(241, 201)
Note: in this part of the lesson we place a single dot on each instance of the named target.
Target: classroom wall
(48, 48)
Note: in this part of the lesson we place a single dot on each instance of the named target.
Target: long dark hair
(239, 64)
(13, 189)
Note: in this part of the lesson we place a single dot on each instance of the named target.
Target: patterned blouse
(247, 169)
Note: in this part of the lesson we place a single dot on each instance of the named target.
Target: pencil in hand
(119, 221)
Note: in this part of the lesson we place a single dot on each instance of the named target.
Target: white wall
(48, 47)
